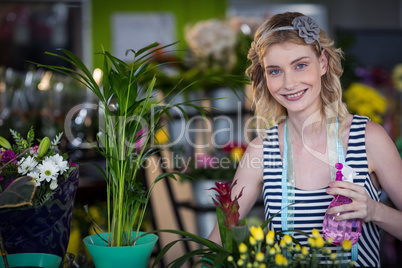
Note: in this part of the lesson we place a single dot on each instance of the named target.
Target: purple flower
(9, 155)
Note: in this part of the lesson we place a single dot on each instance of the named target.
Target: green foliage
(131, 117)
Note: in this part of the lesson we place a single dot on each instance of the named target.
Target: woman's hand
(362, 206)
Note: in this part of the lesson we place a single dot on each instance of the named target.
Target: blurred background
(214, 36)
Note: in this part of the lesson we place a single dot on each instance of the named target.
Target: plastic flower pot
(32, 260)
(127, 256)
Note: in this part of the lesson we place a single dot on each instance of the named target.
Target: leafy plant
(131, 116)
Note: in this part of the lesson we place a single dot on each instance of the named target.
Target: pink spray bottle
(347, 229)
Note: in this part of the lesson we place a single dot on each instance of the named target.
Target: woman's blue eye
(300, 66)
(274, 72)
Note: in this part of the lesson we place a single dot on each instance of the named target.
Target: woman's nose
(290, 82)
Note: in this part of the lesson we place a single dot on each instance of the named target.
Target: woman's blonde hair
(266, 109)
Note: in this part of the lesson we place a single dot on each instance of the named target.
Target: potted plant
(43, 227)
(131, 117)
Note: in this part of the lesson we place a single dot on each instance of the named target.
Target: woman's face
(293, 74)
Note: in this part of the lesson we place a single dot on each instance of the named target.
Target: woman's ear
(324, 62)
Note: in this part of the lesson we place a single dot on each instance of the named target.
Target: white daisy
(53, 184)
(48, 170)
(60, 163)
(36, 176)
(26, 165)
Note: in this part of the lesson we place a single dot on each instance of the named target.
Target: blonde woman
(304, 129)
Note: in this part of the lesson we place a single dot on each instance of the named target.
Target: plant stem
(3, 251)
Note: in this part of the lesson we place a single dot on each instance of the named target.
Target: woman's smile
(295, 96)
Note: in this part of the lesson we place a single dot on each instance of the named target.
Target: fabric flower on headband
(308, 29)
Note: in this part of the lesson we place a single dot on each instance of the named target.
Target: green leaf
(225, 232)
(19, 193)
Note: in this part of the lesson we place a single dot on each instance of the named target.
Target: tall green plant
(131, 116)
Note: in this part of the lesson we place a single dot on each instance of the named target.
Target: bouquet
(43, 162)
(42, 225)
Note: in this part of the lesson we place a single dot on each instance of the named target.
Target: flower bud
(4, 143)
(43, 147)
(288, 239)
(319, 242)
(316, 233)
(242, 248)
(346, 245)
(259, 256)
(257, 233)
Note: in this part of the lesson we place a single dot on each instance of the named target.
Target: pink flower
(9, 155)
(225, 202)
(34, 150)
(140, 139)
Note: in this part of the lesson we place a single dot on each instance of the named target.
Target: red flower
(225, 202)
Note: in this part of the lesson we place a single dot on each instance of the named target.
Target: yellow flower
(236, 153)
(230, 258)
(316, 233)
(311, 242)
(161, 136)
(243, 256)
(333, 256)
(240, 262)
(365, 100)
(272, 251)
(257, 233)
(297, 248)
(253, 242)
(263, 265)
(277, 248)
(304, 251)
(283, 243)
(280, 260)
(242, 248)
(269, 239)
(288, 239)
(259, 256)
(346, 245)
(319, 242)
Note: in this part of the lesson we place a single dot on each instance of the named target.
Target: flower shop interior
(213, 39)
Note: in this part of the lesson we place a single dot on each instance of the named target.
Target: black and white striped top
(310, 213)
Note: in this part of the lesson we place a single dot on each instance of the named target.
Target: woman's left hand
(362, 206)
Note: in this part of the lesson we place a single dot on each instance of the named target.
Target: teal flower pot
(128, 256)
(32, 260)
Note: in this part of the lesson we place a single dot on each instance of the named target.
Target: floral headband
(307, 27)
